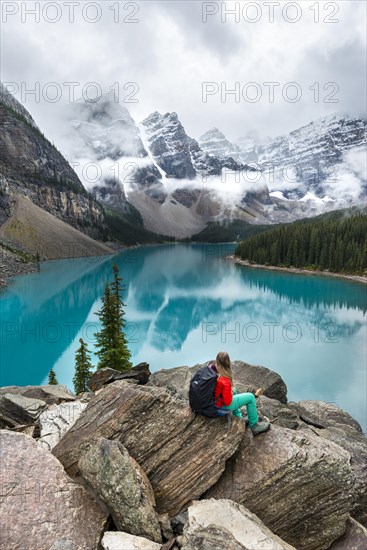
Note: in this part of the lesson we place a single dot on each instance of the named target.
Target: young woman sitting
(227, 398)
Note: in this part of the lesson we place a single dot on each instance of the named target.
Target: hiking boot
(259, 392)
(260, 427)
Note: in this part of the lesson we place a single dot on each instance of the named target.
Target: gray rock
(116, 540)
(31, 429)
(178, 522)
(300, 485)
(100, 377)
(41, 506)
(176, 380)
(17, 410)
(214, 524)
(355, 537)
(57, 420)
(118, 480)
(169, 442)
(166, 527)
(277, 412)
(210, 538)
(48, 393)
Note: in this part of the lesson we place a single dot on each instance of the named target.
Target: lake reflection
(183, 305)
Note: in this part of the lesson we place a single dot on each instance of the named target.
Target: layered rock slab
(140, 373)
(17, 410)
(49, 393)
(300, 485)
(181, 453)
(41, 506)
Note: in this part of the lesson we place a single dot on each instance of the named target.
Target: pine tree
(117, 287)
(52, 380)
(112, 345)
(83, 368)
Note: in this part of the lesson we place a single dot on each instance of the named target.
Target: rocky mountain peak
(7, 99)
(31, 165)
(214, 142)
(106, 128)
(169, 145)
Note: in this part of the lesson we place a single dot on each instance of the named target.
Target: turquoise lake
(184, 303)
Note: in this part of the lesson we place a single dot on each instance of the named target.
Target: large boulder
(41, 506)
(117, 479)
(354, 538)
(356, 444)
(182, 454)
(300, 485)
(226, 524)
(334, 424)
(250, 377)
(57, 420)
(176, 380)
(116, 540)
(140, 373)
(247, 379)
(49, 393)
(17, 410)
(328, 415)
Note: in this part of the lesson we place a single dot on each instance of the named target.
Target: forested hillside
(336, 242)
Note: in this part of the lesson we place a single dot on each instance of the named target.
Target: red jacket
(224, 390)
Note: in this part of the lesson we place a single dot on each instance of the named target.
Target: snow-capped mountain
(104, 132)
(245, 150)
(179, 155)
(318, 159)
(215, 143)
(173, 183)
(179, 184)
(322, 162)
(106, 127)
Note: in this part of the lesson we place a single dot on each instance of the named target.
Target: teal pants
(240, 400)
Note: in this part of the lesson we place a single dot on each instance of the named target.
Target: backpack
(201, 393)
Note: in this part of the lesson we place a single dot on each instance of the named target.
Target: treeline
(335, 244)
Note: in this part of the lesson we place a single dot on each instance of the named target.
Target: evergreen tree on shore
(337, 245)
(113, 351)
(52, 380)
(83, 368)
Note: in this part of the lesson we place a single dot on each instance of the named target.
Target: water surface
(183, 305)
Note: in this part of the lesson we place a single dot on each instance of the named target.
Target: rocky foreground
(128, 466)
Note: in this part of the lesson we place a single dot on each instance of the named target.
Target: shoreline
(298, 271)
(10, 270)
(12, 267)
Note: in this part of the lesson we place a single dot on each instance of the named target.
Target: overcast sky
(170, 51)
